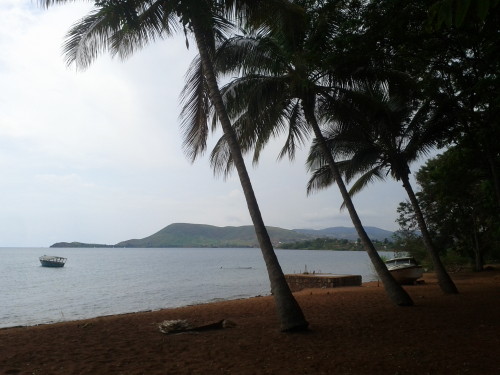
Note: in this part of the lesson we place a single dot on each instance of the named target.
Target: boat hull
(405, 270)
(46, 263)
(407, 275)
(52, 261)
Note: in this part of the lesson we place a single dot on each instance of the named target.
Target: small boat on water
(52, 261)
(405, 270)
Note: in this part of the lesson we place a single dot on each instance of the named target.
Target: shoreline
(353, 330)
(106, 282)
(219, 300)
(131, 313)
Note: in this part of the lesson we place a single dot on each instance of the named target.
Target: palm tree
(377, 132)
(279, 90)
(122, 27)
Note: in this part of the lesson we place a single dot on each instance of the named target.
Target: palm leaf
(195, 110)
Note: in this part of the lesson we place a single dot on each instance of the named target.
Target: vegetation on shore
(459, 205)
(325, 243)
(79, 244)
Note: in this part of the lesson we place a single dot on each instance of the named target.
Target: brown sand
(354, 330)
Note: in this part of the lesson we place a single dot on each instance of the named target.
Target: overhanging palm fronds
(282, 85)
(381, 134)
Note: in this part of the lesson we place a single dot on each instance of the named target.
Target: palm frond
(363, 181)
(195, 111)
(298, 131)
(88, 38)
(260, 107)
(155, 19)
(249, 54)
(118, 27)
(48, 3)
(255, 15)
(374, 126)
(221, 160)
(321, 178)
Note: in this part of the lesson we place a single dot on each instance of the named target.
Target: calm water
(97, 282)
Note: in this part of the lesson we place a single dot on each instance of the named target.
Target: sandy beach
(354, 330)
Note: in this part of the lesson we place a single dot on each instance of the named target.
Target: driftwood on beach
(181, 325)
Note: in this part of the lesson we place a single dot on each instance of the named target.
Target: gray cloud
(96, 156)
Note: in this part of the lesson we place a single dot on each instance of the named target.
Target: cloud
(113, 113)
(96, 155)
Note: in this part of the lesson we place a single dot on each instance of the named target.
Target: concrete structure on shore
(321, 280)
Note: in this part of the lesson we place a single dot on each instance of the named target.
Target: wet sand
(353, 330)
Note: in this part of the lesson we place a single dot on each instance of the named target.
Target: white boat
(52, 261)
(405, 270)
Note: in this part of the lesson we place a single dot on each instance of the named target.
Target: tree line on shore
(325, 243)
(458, 202)
(376, 85)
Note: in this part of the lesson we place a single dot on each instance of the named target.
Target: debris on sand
(180, 325)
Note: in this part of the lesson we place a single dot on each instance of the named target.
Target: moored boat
(405, 270)
(52, 261)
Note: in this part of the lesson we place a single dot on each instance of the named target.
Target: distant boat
(405, 270)
(52, 261)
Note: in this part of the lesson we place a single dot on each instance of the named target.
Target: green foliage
(459, 204)
(78, 244)
(456, 12)
(325, 243)
(376, 131)
(408, 241)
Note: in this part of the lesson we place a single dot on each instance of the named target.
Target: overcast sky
(95, 155)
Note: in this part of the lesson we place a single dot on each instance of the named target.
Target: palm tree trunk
(445, 282)
(289, 312)
(394, 290)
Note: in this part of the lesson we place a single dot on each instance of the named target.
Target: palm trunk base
(290, 314)
(296, 328)
(294, 324)
(446, 284)
(396, 292)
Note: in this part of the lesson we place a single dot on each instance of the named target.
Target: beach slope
(354, 330)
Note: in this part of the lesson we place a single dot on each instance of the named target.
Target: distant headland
(202, 235)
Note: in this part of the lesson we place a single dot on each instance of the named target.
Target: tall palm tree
(377, 132)
(122, 27)
(279, 90)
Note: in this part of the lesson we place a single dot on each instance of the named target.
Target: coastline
(100, 282)
(354, 330)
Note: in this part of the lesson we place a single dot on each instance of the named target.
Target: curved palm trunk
(445, 282)
(394, 290)
(289, 311)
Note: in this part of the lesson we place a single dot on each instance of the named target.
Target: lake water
(98, 282)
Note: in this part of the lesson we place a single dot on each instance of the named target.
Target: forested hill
(201, 235)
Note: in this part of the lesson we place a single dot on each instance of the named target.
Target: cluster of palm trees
(291, 78)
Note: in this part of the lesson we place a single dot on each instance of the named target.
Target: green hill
(201, 235)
